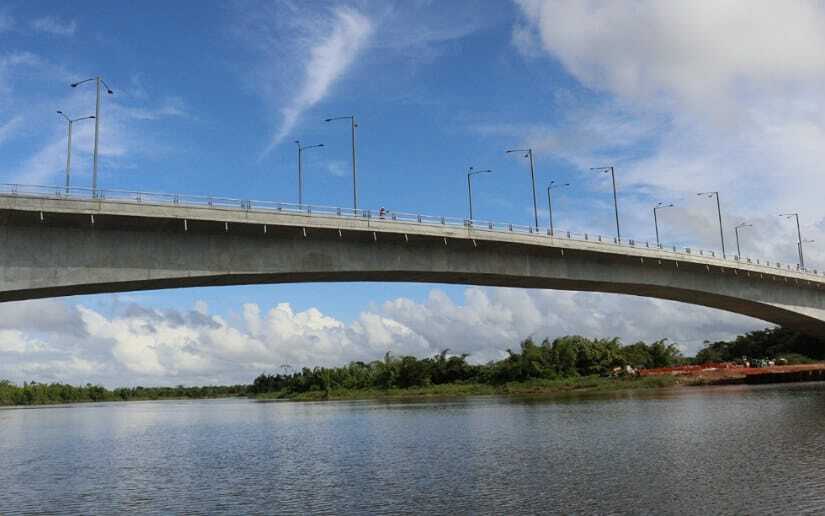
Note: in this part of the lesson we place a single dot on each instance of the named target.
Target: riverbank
(670, 377)
(731, 373)
(457, 390)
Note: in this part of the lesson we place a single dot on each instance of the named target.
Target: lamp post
(736, 231)
(719, 213)
(615, 197)
(353, 125)
(533, 177)
(69, 145)
(551, 186)
(98, 81)
(659, 206)
(799, 235)
(301, 149)
(471, 173)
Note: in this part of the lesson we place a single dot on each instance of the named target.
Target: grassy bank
(528, 388)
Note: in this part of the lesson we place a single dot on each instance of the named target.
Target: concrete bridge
(54, 243)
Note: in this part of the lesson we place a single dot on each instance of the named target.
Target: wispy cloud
(171, 107)
(329, 58)
(10, 60)
(8, 127)
(54, 26)
(124, 128)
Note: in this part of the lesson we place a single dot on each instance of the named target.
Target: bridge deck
(149, 209)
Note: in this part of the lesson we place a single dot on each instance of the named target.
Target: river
(728, 450)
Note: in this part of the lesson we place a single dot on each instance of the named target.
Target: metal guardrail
(227, 203)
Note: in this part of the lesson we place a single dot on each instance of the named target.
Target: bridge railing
(227, 203)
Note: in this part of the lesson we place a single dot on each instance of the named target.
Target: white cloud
(14, 341)
(689, 51)
(54, 26)
(9, 61)
(327, 60)
(713, 96)
(136, 345)
(123, 126)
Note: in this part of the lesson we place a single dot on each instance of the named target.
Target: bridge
(55, 242)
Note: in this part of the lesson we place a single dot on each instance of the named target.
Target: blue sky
(210, 96)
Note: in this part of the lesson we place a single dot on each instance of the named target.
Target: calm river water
(728, 450)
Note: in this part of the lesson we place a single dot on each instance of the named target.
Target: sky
(681, 97)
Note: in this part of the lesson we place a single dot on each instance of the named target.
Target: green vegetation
(43, 394)
(448, 390)
(563, 364)
(772, 343)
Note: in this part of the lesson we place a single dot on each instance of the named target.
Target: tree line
(34, 393)
(772, 343)
(563, 357)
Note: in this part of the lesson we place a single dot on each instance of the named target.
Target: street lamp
(615, 197)
(69, 149)
(799, 235)
(659, 206)
(301, 150)
(719, 212)
(471, 173)
(351, 118)
(736, 231)
(98, 80)
(533, 177)
(551, 186)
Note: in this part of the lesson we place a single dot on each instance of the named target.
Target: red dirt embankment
(726, 372)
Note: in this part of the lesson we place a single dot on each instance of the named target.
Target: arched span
(54, 247)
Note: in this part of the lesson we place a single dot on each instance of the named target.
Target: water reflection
(735, 449)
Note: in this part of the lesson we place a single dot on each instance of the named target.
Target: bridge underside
(67, 254)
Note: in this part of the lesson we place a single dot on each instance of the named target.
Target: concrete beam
(135, 247)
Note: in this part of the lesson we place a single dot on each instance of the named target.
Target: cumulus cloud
(139, 345)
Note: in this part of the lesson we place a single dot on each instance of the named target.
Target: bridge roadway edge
(138, 247)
